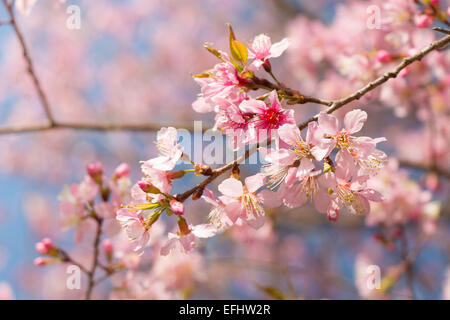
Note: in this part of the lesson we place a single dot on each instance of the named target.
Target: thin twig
(424, 167)
(91, 274)
(334, 105)
(89, 127)
(30, 67)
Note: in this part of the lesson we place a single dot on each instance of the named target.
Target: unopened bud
(39, 261)
(108, 248)
(40, 247)
(122, 170)
(383, 56)
(177, 207)
(148, 187)
(423, 21)
(434, 3)
(175, 174)
(267, 66)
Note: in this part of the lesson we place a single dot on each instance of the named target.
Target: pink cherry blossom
(222, 83)
(218, 216)
(186, 243)
(136, 228)
(241, 201)
(170, 150)
(262, 49)
(266, 117)
(176, 207)
(362, 149)
(345, 188)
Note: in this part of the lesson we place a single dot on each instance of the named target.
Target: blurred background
(131, 62)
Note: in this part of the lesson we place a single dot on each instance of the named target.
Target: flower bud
(434, 3)
(175, 174)
(108, 248)
(40, 247)
(448, 11)
(39, 261)
(423, 21)
(148, 187)
(122, 170)
(383, 56)
(95, 170)
(47, 242)
(267, 66)
(177, 207)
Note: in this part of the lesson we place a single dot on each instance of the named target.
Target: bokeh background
(131, 62)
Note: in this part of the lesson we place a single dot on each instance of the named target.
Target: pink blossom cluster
(378, 35)
(96, 197)
(404, 201)
(150, 198)
(224, 90)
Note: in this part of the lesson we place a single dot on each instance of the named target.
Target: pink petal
(255, 182)
(201, 106)
(231, 187)
(204, 230)
(289, 133)
(354, 120)
(278, 48)
(328, 123)
(253, 106)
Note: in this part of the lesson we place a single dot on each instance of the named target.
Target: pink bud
(47, 242)
(423, 21)
(40, 247)
(94, 169)
(122, 170)
(177, 207)
(39, 261)
(383, 56)
(108, 246)
(148, 187)
(448, 11)
(434, 3)
(404, 72)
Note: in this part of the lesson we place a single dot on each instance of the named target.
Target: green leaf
(239, 51)
(273, 292)
(213, 51)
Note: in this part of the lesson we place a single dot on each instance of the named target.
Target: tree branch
(91, 273)
(89, 127)
(425, 167)
(30, 67)
(334, 105)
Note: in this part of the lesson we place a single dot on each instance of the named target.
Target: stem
(91, 273)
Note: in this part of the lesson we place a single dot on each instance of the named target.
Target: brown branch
(88, 127)
(67, 259)
(334, 105)
(439, 44)
(425, 167)
(91, 274)
(30, 68)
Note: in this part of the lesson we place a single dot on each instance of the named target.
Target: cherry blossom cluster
(96, 201)
(297, 169)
